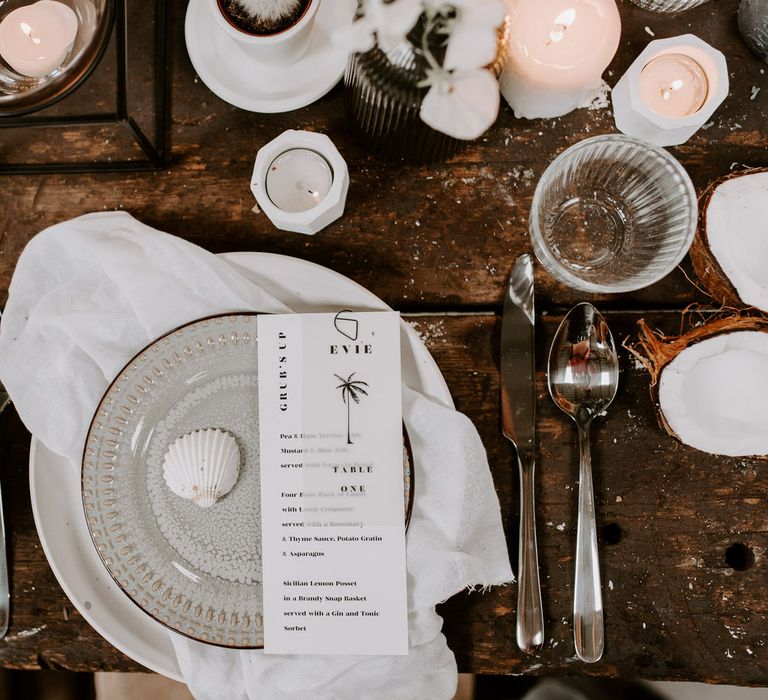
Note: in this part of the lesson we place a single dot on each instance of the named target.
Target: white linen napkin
(87, 294)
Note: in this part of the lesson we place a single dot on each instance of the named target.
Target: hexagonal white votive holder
(329, 208)
(635, 118)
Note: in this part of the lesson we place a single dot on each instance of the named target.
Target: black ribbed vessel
(383, 101)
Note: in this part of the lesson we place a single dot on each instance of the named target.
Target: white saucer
(238, 78)
(55, 484)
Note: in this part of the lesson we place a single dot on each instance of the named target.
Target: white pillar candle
(35, 39)
(670, 91)
(298, 180)
(558, 50)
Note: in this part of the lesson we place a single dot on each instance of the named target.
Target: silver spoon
(583, 376)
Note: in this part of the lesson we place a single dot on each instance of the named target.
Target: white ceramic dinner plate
(237, 77)
(55, 484)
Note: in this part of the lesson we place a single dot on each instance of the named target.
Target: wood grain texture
(667, 513)
(442, 239)
(438, 237)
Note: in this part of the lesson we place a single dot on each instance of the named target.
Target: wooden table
(684, 535)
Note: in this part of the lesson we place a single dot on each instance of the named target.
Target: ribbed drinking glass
(613, 214)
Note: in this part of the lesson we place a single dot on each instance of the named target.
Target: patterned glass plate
(196, 570)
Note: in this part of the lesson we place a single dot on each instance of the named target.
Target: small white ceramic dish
(240, 78)
(57, 504)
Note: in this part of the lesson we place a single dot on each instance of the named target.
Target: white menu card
(332, 489)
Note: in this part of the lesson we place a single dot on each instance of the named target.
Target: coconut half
(730, 251)
(712, 384)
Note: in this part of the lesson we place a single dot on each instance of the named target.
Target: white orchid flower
(462, 104)
(489, 13)
(463, 97)
(382, 23)
(473, 41)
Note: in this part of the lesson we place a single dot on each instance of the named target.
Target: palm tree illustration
(351, 390)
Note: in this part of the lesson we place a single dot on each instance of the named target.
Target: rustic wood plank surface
(684, 535)
(438, 237)
(678, 603)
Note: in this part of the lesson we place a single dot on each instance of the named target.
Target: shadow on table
(46, 685)
(513, 687)
(65, 685)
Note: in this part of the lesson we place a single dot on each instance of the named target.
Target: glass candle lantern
(29, 86)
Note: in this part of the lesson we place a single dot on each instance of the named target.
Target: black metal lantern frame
(155, 151)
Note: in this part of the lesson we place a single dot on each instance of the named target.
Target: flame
(564, 20)
(29, 31)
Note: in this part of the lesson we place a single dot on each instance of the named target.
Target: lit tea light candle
(670, 90)
(673, 85)
(35, 39)
(298, 180)
(558, 50)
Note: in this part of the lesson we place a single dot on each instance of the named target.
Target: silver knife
(518, 420)
(5, 592)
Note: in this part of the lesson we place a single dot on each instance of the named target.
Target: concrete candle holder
(634, 116)
(294, 213)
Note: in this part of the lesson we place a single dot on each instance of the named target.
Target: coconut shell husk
(711, 278)
(655, 351)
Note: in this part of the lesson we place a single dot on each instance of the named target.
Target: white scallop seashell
(202, 466)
